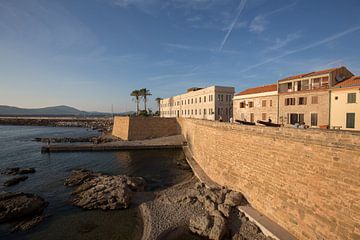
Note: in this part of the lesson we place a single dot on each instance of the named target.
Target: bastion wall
(306, 180)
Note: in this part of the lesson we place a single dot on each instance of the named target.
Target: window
(314, 100)
(316, 83)
(289, 101)
(195, 110)
(325, 82)
(351, 98)
(350, 120)
(195, 100)
(222, 97)
(204, 111)
(192, 101)
(314, 119)
(192, 112)
(289, 87)
(188, 101)
(302, 100)
(209, 111)
(242, 104)
(251, 104)
(252, 117)
(305, 85)
(219, 98)
(295, 118)
(204, 98)
(263, 116)
(219, 111)
(270, 103)
(199, 99)
(263, 103)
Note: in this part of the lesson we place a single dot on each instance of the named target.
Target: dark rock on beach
(100, 191)
(16, 170)
(22, 210)
(14, 180)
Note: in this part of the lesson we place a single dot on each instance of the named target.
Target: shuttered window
(350, 120)
(351, 98)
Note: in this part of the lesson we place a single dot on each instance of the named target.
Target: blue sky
(92, 53)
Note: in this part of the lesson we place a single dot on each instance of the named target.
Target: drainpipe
(330, 92)
(278, 103)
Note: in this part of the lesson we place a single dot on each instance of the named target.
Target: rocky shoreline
(101, 124)
(211, 213)
(190, 207)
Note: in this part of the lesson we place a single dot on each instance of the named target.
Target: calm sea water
(17, 149)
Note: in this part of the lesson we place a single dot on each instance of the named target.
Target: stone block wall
(121, 127)
(308, 181)
(139, 128)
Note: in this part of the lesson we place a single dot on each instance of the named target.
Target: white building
(211, 103)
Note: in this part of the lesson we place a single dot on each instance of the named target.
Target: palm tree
(136, 94)
(158, 100)
(144, 93)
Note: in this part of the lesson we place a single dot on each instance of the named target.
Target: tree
(158, 100)
(136, 94)
(144, 93)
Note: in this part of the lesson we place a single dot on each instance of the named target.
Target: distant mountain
(47, 111)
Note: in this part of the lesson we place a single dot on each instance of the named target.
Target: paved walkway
(172, 142)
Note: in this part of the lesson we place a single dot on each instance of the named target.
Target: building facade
(259, 103)
(305, 98)
(345, 104)
(211, 103)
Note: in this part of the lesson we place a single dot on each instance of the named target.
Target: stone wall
(308, 181)
(139, 128)
(121, 127)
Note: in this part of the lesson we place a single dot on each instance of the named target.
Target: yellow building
(345, 104)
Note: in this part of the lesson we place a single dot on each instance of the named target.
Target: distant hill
(47, 111)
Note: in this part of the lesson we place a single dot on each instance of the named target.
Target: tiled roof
(266, 88)
(349, 82)
(310, 74)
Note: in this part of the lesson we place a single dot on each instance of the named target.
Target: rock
(14, 180)
(209, 205)
(16, 170)
(201, 225)
(78, 177)
(224, 209)
(11, 171)
(216, 213)
(100, 191)
(219, 229)
(233, 198)
(249, 230)
(21, 207)
(27, 224)
(136, 183)
(26, 170)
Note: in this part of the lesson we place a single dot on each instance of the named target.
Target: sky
(90, 54)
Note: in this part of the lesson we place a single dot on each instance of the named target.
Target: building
(305, 98)
(345, 104)
(259, 103)
(209, 103)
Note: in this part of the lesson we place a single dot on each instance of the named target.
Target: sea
(63, 220)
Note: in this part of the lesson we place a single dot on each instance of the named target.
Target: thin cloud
(197, 48)
(258, 25)
(260, 22)
(231, 27)
(306, 47)
(280, 43)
